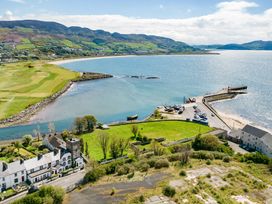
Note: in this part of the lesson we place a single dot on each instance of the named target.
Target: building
(43, 166)
(254, 138)
(53, 141)
(73, 146)
(12, 174)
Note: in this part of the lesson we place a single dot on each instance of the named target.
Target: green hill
(31, 39)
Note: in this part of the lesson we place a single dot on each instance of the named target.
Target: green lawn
(26, 83)
(170, 130)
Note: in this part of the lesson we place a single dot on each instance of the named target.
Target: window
(32, 170)
(15, 174)
(16, 180)
(41, 167)
(3, 179)
(22, 172)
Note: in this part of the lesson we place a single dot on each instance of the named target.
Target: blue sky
(191, 21)
(139, 8)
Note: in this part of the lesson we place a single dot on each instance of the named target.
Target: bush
(168, 191)
(124, 170)
(162, 163)
(181, 147)
(111, 168)
(226, 159)
(130, 176)
(208, 162)
(94, 175)
(46, 194)
(143, 166)
(151, 162)
(182, 173)
(255, 158)
(207, 155)
(174, 157)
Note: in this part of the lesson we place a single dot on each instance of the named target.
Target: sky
(190, 21)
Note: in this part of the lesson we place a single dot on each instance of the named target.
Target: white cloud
(230, 23)
(18, 1)
(161, 6)
(8, 15)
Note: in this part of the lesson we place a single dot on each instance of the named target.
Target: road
(64, 182)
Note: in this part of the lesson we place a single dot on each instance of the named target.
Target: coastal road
(64, 182)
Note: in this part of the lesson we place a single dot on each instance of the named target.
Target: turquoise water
(189, 75)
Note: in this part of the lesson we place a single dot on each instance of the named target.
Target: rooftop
(254, 131)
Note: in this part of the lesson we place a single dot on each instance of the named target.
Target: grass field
(170, 130)
(26, 83)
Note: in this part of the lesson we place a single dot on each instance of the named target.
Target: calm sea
(179, 76)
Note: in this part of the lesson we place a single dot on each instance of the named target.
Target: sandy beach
(64, 61)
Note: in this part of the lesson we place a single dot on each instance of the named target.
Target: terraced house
(42, 167)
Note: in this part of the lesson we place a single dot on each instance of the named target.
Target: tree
(81, 145)
(90, 122)
(51, 128)
(134, 130)
(17, 145)
(65, 135)
(123, 145)
(207, 142)
(103, 142)
(79, 125)
(27, 140)
(86, 149)
(270, 165)
(114, 148)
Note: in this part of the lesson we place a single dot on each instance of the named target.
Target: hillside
(31, 39)
(254, 45)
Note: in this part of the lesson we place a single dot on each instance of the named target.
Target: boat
(133, 117)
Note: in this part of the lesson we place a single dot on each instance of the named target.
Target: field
(24, 84)
(170, 130)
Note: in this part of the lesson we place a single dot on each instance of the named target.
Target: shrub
(143, 166)
(181, 148)
(124, 169)
(130, 176)
(168, 191)
(94, 175)
(151, 162)
(208, 162)
(161, 163)
(174, 157)
(46, 194)
(208, 175)
(226, 159)
(111, 168)
(182, 173)
(256, 158)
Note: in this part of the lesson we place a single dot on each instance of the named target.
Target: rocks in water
(142, 77)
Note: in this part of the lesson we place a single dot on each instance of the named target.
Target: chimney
(39, 156)
(56, 151)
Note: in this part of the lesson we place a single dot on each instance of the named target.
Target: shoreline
(25, 115)
(70, 60)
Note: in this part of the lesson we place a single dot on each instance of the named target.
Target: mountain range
(32, 39)
(254, 45)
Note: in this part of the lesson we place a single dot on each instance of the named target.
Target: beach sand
(64, 61)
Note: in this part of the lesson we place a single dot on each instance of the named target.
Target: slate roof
(254, 131)
(13, 168)
(45, 159)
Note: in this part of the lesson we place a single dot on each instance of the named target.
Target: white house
(254, 138)
(12, 174)
(43, 166)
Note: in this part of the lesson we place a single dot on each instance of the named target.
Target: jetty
(199, 109)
